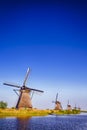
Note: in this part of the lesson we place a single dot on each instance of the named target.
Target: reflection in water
(75, 122)
(13, 123)
(22, 123)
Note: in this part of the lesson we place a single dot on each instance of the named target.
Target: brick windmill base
(58, 106)
(24, 100)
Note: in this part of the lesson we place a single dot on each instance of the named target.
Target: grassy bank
(65, 112)
(22, 112)
(34, 112)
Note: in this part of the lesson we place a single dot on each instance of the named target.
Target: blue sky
(51, 39)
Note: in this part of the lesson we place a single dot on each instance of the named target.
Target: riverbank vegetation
(22, 112)
(34, 112)
(65, 112)
(3, 105)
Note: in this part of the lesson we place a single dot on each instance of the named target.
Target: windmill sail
(26, 77)
(56, 97)
(36, 90)
(12, 85)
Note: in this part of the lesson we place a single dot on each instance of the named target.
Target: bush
(3, 104)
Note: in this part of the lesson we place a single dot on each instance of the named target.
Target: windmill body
(69, 108)
(24, 100)
(58, 105)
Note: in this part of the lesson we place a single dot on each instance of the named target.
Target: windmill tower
(69, 108)
(58, 105)
(24, 99)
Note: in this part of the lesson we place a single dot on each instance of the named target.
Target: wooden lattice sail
(24, 100)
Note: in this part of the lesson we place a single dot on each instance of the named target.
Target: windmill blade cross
(12, 85)
(26, 77)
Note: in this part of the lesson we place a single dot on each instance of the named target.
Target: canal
(51, 122)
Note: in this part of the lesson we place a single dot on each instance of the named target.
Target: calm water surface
(78, 122)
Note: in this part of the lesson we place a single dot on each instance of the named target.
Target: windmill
(75, 108)
(69, 108)
(79, 108)
(58, 105)
(24, 99)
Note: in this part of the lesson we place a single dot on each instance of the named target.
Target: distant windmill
(75, 108)
(58, 105)
(69, 108)
(24, 100)
(79, 108)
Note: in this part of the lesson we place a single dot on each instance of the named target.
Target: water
(78, 122)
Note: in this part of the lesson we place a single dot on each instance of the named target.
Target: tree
(3, 104)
